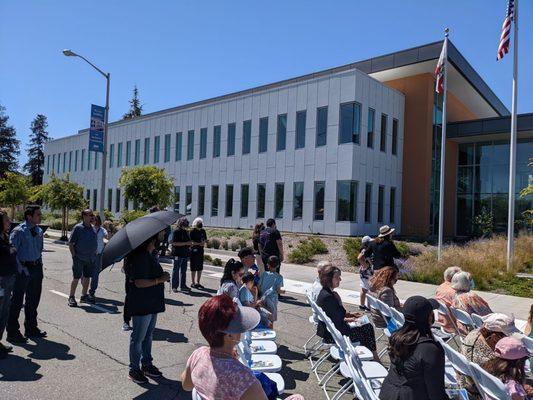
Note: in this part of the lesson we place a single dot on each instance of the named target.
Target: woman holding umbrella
(145, 299)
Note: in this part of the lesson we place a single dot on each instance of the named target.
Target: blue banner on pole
(96, 131)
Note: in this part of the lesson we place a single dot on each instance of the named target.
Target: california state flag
(439, 71)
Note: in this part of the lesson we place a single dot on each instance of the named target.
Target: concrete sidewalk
(299, 277)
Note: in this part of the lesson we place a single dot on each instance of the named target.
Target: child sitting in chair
(270, 285)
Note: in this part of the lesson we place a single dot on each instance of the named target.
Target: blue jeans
(96, 274)
(179, 272)
(7, 283)
(141, 340)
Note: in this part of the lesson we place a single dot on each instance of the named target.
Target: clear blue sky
(181, 51)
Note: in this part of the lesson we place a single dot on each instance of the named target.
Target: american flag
(505, 37)
(439, 70)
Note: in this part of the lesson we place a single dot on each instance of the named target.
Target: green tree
(14, 190)
(147, 185)
(64, 195)
(38, 137)
(9, 145)
(528, 191)
(136, 107)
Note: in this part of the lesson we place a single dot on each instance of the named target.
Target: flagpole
(443, 150)
(512, 158)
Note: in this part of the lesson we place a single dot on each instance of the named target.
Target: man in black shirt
(270, 243)
(181, 244)
(381, 250)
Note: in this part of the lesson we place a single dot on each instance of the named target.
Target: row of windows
(349, 132)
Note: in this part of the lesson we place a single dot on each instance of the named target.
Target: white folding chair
(492, 387)
(315, 364)
(374, 306)
(463, 318)
(362, 388)
(397, 317)
(477, 320)
(313, 319)
(195, 395)
(371, 371)
(260, 362)
(439, 330)
(458, 362)
(259, 346)
(280, 382)
(262, 334)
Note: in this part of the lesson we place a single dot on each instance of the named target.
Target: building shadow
(45, 349)
(166, 335)
(163, 388)
(174, 302)
(193, 293)
(18, 369)
(292, 301)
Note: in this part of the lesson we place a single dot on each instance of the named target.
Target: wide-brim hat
(385, 230)
(244, 320)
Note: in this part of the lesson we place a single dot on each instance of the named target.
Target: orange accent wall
(418, 122)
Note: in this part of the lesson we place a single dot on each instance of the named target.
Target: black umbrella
(135, 233)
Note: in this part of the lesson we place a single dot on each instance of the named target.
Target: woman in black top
(198, 239)
(8, 269)
(145, 299)
(331, 304)
(417, 360)
(381, 250)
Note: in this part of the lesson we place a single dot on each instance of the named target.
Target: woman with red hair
(215, 371)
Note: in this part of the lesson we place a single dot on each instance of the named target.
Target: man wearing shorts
(82, 244)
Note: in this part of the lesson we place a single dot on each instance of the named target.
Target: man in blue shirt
(27, 238)
(83, 245)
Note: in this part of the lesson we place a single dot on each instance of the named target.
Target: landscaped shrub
(403, 248)
(352, 247)
(225, 245)
(306, 249)
(215, 243)
(208, 258)
(209, 243)
(299, 256)
(241, 243)
(217, 262)
(234, 246)
(316, 246)
(132, 215)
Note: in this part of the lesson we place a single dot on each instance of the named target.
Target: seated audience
(317, 286)
(478, 346)
(509, 366)
(417, 360)
(382, 286)
(465, 299)
(231, 280)
(445, 294)
(331, 303)
(215, 371)
(247, 299)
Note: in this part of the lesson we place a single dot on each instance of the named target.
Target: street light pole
(107, 76)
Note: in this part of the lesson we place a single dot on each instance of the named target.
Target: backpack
(263, 237)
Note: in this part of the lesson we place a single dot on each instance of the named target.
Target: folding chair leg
(343, 390)
(328, 375)
(306, 343)
(319, 362)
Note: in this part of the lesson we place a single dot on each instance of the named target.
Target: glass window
(298, 200)
(263, 134)
(203, 143)
(59, 163)
(95, 194)
(301, 117)
(214, 201)
(245, 191)
(394, 136)
(167, 148)
(157, 148)
(117, 201)
(179, 145)
(126, 203)
(70, 161)
(88, 197)
(370, 128)
(190, 145)
(368, 202)
(146, 150)
(381, 201)
(54, 163)
(392, 205)
(350, 123)
(48, 164)
(246, 136)
(188, 200)
(201, 200)
(177, 198)
(64, 162)
(111, 155)
(137, 159)
(261, 198)
(128, 153)
(347, 201)
(279, 195)
(229, 200)
(318, 199)
(281, 138)
(82, 161)
(109, 199)
(119, 155)
(321, 126)
(466, 154)
(216, 141)
(89, 163)
(383, 135)
(231, 139)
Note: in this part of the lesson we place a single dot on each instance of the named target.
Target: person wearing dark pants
(27, 239)
(8, 270)
(101, 236)
(125, 312)
(181, 244)
(270, 243)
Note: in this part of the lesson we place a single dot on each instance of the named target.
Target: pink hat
(497, 322)
(510, 348)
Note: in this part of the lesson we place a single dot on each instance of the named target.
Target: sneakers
(37, 333)
(137, 376)
(16, 338)
(126, 327)
(91, 299)
(185, 289)
(151, 371)
(72, 302)
(84, 298)
(198, 286)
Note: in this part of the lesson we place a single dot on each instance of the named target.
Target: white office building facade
(321, 154)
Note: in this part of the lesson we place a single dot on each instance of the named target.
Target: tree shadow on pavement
(45, 349)
(15, 368)
(166, 335)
